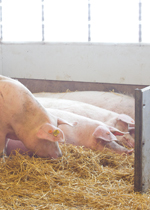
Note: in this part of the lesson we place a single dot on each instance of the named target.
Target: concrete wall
(82, 62)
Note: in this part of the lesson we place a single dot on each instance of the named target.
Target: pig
(119, 121)
(23, 118)
(12, 145)
(87, 132)
(112, 101)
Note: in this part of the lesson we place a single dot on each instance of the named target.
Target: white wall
(88, 62)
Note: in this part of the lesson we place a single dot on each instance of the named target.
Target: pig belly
(115, 102)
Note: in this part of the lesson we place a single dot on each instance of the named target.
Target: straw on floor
(80, 179)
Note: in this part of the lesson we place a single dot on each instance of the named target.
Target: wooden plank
(142, 140)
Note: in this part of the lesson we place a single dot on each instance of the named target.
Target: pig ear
(117, 132)
(48, 132)
(103, 133)
(127, 119)
(62, 121)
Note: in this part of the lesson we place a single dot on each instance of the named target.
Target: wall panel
(82, 62)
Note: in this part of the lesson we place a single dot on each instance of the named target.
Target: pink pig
(119, 121)
(87, 132)
(22, 117)
(112, 101)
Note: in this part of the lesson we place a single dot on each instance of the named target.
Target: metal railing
(89, 38)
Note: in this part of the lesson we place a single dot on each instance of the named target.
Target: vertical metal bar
(89, 21)
(145, 139)
(140, 20)
(142, 140)
(138, 142)
(1, 36)
(43, 37)
(0, 13)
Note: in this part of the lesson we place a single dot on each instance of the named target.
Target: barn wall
(82, 62)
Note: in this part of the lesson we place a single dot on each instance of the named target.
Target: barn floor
(80, 179)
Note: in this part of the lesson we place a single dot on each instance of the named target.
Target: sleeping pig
(87, 132)
(112, 101)
(119, 121)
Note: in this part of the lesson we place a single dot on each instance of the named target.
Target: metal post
(89, 21)
(142, 140)
(140, 20)
(43, 38)
(138, 142)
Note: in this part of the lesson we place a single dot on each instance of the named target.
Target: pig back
(112, 101)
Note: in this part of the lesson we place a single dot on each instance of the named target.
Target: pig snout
(55, 151)
(48, 149)
(118, 148)
(126, 140)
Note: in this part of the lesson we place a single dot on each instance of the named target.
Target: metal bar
(140, 21)
(138, 142)
(89, 21)
(42, 32)
(43, 26)
(0, 13)
(146, 140)
(142, 140)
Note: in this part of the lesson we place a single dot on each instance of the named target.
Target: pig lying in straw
(112, 101)
(87, 132)
(120, 121)
(22, 117)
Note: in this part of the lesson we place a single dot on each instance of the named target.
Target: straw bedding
(80, 179)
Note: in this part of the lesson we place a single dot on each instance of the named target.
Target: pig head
(23, 118)
(90, 133)
(124, 123)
